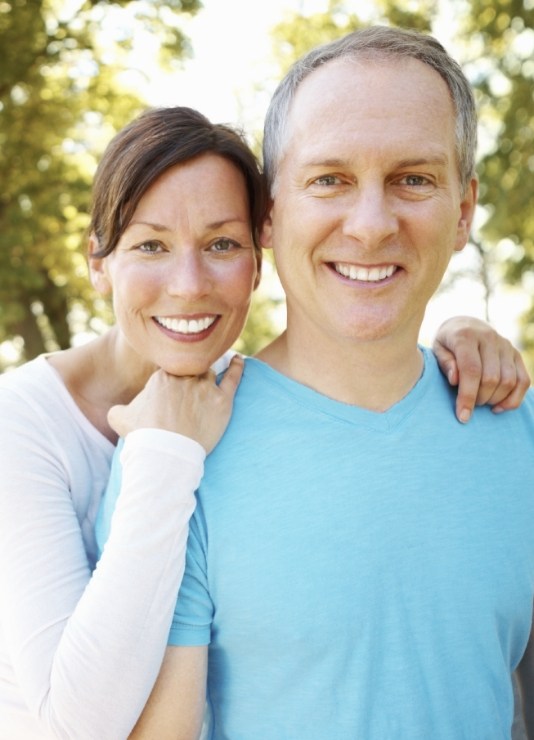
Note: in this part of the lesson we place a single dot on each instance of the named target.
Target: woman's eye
(223, 245)
(150, 247)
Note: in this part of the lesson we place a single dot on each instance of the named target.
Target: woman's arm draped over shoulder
(485, 366)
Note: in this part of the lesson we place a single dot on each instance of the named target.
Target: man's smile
(364, 274)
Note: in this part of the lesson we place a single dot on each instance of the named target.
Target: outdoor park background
(72, 72)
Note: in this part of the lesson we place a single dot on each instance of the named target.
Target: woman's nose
(188, 275)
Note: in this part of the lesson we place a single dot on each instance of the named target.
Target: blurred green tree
(62, 97)
(499, 58)
(298, 33)
(267, 313)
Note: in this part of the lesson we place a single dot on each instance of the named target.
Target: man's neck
(373, 375)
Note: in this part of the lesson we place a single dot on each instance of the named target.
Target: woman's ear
(266, 231)
(97, 270)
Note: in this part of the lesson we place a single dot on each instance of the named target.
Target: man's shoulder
(516, 425)
(528, 403)
(260, 377)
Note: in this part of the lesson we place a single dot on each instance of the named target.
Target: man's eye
(414, 180)
(326, 180)
(150, 247)
(223, 245)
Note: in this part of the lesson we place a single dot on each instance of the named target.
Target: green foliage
(501, 50)
(261, 327)
(61, 99)
(498, 42)
(505, 85)
(298, 34)
(408, 14)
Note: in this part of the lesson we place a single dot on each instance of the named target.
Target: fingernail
(464, 416)
(497, 409)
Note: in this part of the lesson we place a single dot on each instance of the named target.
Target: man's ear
(467, 213)
(266, 231)
(97, 271)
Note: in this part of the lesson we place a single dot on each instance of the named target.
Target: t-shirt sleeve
(109, 499)
(193, 614)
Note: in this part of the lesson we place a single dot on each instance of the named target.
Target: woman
(177, 206)
(67, 667)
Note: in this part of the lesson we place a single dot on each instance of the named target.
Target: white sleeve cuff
(162, 441)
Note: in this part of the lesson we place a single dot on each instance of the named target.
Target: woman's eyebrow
(155, 226)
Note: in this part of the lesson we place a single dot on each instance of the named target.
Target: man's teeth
(186, 326)
(369, 275)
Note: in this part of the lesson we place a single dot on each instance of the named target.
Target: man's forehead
(368, 80)
(370, 99)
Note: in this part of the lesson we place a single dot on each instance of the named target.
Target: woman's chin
(186, 368)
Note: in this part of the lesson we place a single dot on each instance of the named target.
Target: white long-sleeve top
(80, 649)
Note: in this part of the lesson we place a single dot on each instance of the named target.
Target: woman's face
(184, 269)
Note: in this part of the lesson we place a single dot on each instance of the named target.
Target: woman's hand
(194, 406)
(485, 366)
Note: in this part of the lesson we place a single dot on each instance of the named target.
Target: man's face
(367, 206)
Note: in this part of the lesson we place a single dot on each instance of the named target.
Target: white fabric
(79, 652)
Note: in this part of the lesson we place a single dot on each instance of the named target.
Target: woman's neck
(99, 375)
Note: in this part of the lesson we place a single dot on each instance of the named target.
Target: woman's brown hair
(142, 151)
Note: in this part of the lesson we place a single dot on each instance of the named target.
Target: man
(367, 570)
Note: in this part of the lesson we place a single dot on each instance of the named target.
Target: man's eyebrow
(330, 162)
(439, 159)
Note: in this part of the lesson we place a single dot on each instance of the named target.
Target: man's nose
(370, 216)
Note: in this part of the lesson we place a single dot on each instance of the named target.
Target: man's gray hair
(376, 42)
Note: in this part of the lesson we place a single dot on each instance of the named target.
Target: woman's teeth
(186, 326)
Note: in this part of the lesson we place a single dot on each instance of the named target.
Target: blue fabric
(109, 500)
(361, 575)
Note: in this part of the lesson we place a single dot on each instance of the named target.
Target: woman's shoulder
(33, 376)
(34, 391)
